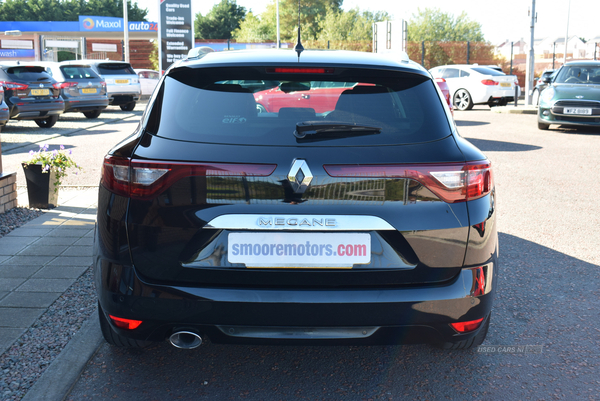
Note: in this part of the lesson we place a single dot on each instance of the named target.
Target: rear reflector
(143, 179)
(465, 327)
(451, 182)
(127, 324)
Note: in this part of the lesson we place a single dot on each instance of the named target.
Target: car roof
(583, 62)
(307, 58)
(95, 62)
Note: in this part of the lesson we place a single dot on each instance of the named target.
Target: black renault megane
(342, 208)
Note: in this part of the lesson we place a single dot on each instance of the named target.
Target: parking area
(544, 338)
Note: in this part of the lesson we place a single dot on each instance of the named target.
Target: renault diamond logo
(300, 176)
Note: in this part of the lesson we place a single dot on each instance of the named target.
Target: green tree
(66, 10)
(253, 29)
(435, 25)
(311, 13)
(349, 25)
(219, 23)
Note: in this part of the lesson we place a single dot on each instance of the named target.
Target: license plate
(505, 84)
(121, 81)
(572, 110)
(299, 250)
(40, 92)
(89, 90)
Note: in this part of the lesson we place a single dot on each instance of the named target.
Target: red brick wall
(139, 51)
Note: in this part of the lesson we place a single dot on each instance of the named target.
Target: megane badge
(300, 176)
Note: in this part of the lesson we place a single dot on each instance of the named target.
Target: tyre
(128, 106)
(47, 122)
(543, 126)
(471, 343)
(92, 114)
(462, 100)
(111, 337)
(535, 98)
(260, 108)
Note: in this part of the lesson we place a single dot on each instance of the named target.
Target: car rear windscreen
(78, 72)
(28, 73)
(115, 69)
(261, 106)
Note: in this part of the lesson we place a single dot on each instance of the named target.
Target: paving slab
(19, 317)
(58, 272)
(46, 285)
(30, 299)
(13, 271)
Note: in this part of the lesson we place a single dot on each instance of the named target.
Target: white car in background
(148, 80)
(472, 84)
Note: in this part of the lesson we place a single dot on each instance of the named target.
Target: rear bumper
(119, 99)
(76, 105)
(386, 315)
(33, 111)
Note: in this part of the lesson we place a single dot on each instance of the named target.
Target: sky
(500, 20)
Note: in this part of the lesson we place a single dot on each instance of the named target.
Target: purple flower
(70, 152)
(31, 153)
(62, 147)
(45, 146)
(46, 167)
(55, 152)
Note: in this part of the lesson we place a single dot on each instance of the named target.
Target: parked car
(31, 93)
(441, 83)
(541, 84)
(122, 83)
(318, 95)
(369, 222)
(80, 87)
(573, 96)
(148, 80)
(4, 112)
(471, 84)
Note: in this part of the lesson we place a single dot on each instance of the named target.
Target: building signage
(176, 33)
(16, 53)
(91, 23)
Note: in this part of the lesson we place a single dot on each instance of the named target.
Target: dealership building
(92, 37)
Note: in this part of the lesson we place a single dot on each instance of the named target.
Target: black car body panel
(166, 258)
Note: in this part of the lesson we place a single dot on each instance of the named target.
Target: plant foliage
(67, 10)
(56, 160)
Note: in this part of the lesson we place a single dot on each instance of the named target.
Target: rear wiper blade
(311, 129)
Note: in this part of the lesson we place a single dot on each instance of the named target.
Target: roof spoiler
(199, 52)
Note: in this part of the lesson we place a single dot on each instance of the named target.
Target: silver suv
(122, 83)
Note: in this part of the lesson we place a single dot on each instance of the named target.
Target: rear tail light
(64, 85)
(103, 84)
(144, 180)
(127, 324)
(440, 80)
(451, 182)
(465, 327)
(489, 82)
(14, 85)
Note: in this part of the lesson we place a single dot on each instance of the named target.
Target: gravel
(16, 217)
(27, 359)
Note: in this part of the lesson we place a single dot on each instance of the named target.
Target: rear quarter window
(203, 105)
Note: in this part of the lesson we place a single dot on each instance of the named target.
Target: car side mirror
(547, 80)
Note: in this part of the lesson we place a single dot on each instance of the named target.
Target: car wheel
(543, 126)
(92, 114)
(128, 106)
(535, 97)
(260, 108)
(47, 122)
(462, 100)
(471, 343)
(116, 339)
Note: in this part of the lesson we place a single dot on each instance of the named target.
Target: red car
(441, 83)
(310, 95)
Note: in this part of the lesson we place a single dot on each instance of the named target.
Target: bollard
(516, 94)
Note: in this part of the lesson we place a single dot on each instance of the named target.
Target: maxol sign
(91, 23)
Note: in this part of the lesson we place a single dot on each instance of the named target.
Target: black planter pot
(40, 187)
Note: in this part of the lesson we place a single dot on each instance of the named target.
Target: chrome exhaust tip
(185, 340)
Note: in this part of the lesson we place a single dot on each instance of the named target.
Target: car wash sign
(176, 32)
